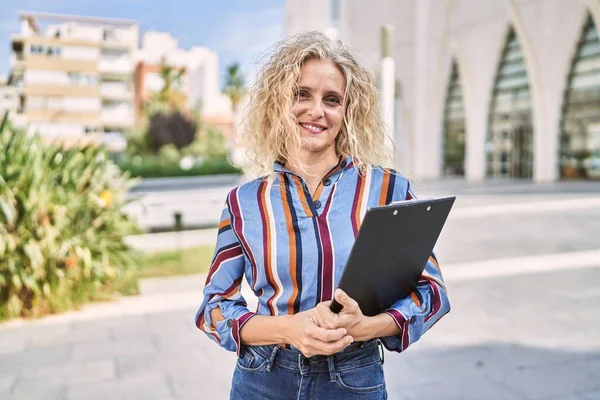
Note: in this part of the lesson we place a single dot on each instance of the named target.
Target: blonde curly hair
(270, 125)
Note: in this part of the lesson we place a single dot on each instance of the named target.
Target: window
(454, 127)
(36, 49)
(509, 142)
(580, 124)
(53, 51)
(78, 78)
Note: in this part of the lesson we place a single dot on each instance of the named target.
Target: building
(198, 83)
(9, 99)
(495, 88)
(74, 75)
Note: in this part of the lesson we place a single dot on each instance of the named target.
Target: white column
(388, 85)
(546, 143)
(421, 150)
(477, 127)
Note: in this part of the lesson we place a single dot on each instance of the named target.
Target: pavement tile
(74, 372)
(106, 349)
(466, 388)
(49, 356)
(57, 393)
(133, 364)
(70, 336)
(12, 345)
(187, 381)
(6, 382)
(142, 386)
(38, 385)
(595, 395)
(550, 380)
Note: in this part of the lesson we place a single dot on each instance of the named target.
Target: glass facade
(454, 128)
(580, 124)
(509, 144)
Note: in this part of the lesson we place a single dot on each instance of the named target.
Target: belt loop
(331, 365)
(272, 357)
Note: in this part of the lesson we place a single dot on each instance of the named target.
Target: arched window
(454, 127)
(580, 125)
(509, 145)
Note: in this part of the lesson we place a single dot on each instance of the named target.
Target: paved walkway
(525, 293)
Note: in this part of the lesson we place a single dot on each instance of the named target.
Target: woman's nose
(315, 110)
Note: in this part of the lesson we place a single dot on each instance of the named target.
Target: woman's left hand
(351, 317)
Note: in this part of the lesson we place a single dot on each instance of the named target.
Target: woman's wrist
(381, 325)
(264, 330)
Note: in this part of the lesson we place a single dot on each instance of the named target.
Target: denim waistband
(353, 356)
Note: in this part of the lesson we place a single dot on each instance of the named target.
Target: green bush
(153, 167)
(61, 227)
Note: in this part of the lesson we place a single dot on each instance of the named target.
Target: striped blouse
(292, 249)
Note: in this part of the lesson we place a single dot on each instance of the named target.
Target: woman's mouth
(312, 127)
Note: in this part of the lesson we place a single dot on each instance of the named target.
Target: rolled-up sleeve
(223, 289)
(417, 313)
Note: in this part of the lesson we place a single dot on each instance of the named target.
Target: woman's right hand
(305, 335)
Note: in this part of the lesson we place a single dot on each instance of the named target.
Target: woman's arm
(222, 296)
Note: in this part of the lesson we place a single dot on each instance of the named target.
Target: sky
(238, 30)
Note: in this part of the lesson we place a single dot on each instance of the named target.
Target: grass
(193, 260)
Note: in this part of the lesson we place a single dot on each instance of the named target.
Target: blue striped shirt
(292, 248)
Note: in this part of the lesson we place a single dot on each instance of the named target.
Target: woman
(316, 137)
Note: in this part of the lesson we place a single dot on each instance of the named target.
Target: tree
(168, 123)
(234, 85)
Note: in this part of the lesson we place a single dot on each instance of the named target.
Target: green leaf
(9, 211)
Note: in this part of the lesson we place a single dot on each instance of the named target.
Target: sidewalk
(517, 336)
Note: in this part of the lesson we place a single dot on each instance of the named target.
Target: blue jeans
(274, 372)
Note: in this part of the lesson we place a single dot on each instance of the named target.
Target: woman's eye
(333, 100)
(302, 94)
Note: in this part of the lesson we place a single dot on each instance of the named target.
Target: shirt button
(229, 323)
(327, 182)
(317, 204)
(413, 319)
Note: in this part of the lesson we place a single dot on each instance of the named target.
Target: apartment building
(198, 82)
(74, 75)
(9, 99)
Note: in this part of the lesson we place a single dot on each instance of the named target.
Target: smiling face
(319, 108)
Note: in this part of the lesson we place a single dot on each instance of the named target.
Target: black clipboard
(391, 250)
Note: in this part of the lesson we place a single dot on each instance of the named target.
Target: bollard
(178, 221)
(178, 228)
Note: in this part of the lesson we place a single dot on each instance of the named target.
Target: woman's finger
(324, 317)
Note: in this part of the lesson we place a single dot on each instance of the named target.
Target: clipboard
(391, 250)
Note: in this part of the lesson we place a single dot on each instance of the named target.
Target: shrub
(61, 227)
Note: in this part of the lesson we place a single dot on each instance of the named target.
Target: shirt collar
(344, 162)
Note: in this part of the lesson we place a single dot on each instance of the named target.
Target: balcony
(122, 116)
(116, 66)
(119, 39)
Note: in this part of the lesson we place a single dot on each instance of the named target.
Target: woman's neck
(315, 167)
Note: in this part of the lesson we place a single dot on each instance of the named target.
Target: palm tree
(234, 85)
(169, 98)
